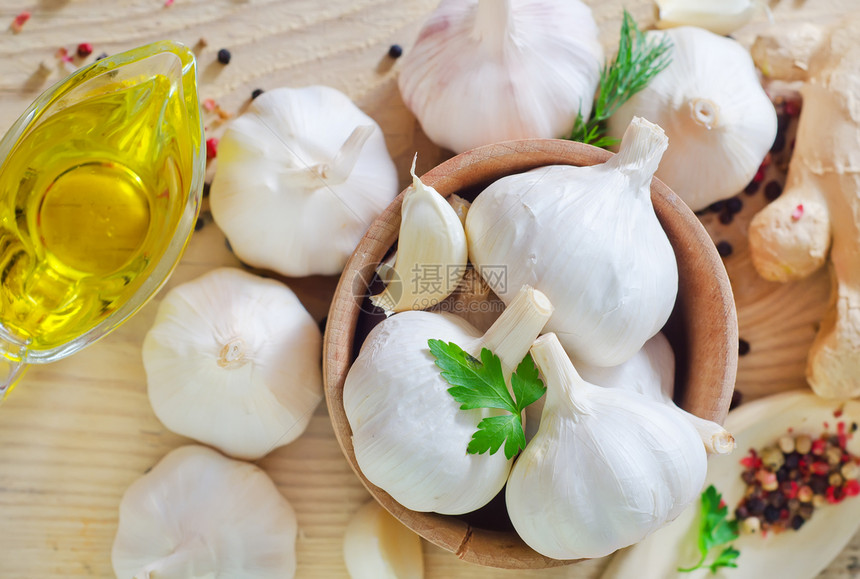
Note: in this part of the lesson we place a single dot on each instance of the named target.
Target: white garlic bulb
(431, 252)
(233, 360)
(606, 468)
(301, 175)
(378, 546)
(484, 71)
(719, 121)
(589, 239)
(199, 514)
(651, 372)
(395, 397)
(718, 16)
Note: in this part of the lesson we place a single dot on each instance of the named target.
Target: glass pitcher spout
(100, 187)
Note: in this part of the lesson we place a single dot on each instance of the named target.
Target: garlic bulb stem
(340, 167)
(493, 23)
(642, 147)
(183, 562)
(559, 374)
(511, 336)
(232, 354)
(717, 439)
(705, 112)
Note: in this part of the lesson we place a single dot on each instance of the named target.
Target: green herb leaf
(481, 384)
(715, 531)
(725, 559)
(637, 62)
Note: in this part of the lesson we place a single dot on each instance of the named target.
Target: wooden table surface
(77, 432)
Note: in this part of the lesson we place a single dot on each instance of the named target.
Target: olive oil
(89, 200)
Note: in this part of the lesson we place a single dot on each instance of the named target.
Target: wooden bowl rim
(481, 165)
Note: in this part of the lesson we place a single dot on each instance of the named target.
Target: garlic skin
(199, 514)
(719, 16)
(719, 121)
(589, 239)
(408, 433)
(484, 71)
(651, 372)
(606, 468)
(233, 360)
(301, 175)
(431, 252)
(378, 546)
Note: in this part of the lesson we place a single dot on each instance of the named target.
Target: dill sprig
(637, 62)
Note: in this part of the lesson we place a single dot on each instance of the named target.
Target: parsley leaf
(481, 384)
(637, 62)
(715, 531)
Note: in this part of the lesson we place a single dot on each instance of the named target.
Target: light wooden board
(76, 433)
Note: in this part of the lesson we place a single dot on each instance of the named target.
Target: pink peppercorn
(85, 49)
(19, 21)
(211, 148)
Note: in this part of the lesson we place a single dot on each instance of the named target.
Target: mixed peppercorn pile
(787, 481)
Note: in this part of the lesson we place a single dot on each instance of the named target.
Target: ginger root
(818, 214)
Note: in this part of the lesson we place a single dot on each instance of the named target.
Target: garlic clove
(408, 433)
(606, 468)
(755, 425)
(719, 121)
(718, 16)
(589, 239)
(431, 252)
(378, 546)
(485, 71)
(301, 175)
(233, 360)
(174, 521)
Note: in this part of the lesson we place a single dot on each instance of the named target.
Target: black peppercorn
(755, 505)
(772, 190)
(752, 187)
(734, 205)
(724, 248)
(818, 483)
(742, 513)
(256, 92)
(792, 459)
(726, 217)
(395, 51)
(797, 522)
(782, 474)
(716, 207)
(224, 56)
(771, 514)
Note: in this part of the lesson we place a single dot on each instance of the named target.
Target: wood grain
(77, 432)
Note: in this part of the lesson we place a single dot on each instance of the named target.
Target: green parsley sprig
(637, 62)
(715, 531)
(481, 384)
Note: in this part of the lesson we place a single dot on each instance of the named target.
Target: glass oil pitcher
(100, 186)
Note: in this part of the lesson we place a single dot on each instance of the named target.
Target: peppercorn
(224, 56)
(797, 522)
(755, 505)
(805, 494)
(395, 51)
(835, 479)
(211, 148)
(818, 484)
(85, 49)
(782, 474)
(751, 525)
(772, 190)
(786, 445)
(742, 512)
(724, 248)
(803, 444)
(743, 347)
(793, 504)
(716, 206)
(818, 501)
(771, 514)
(726, 217)
(198, 225)
(751, 188)
(834, 455)
(806, 511)
(850, 470)
(748, 477)
(734, 205)
(792, 459)
(776, 499)
(772, 458)
(256, 92)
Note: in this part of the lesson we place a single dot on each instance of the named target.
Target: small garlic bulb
(651, 372)
(606, 468)
(409, 434)
(378, 546)
(431, 252)
(484, 71)
(719, 121)
(199, 514)
(233, 360)
(301, 175)
(589, 239)
(719, 16)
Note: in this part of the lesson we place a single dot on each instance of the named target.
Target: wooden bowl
(702, 331)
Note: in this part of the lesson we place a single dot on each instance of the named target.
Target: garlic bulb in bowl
(719, 121)
(233, 360)
(199, 514)
(606, 468)
(301, 174)
(484, 71)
